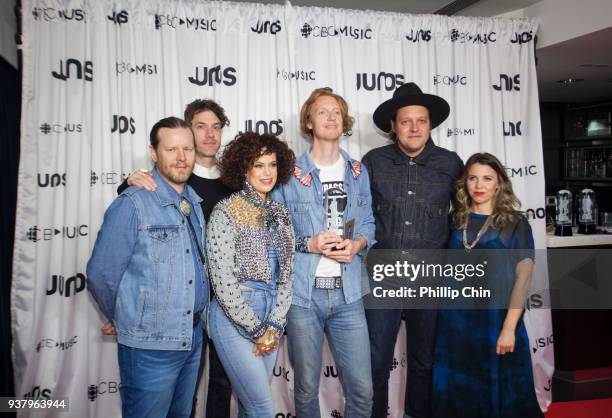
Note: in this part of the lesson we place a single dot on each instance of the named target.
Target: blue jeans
(249, 374)
(383, 325)
(347, 335)
(159, 383)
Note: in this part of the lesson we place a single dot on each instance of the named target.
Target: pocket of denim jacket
(300, 218)
(163, 240)
(436, 222)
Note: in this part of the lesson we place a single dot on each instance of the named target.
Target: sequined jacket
(240, 229)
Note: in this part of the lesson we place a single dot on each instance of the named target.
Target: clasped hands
(331, 245)
(267, 343)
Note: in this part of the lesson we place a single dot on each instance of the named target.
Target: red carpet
(597, 408)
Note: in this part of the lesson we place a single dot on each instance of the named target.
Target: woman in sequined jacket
(250, 247)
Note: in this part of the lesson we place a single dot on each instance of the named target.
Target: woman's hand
(267, 343)
(505, 342)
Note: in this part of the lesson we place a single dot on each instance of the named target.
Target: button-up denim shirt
(411, 196)
(303, 195)
(142, 272)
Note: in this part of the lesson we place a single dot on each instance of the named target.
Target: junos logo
(512, 128)
(49, 14)
(329, 31)
(102, 388)
(475, 38)
(381, 81)
(303, 75)
(123, 124)
(281, 371)
(213, 75)
(528, 170)
(508, 83)
(67, 287)
(538, 213)
(274, 127)
(534, 302)
(60, 345)
(57, 128)
(267, 26)
(119, 18)
(38, 392)
(36, 234)
(129, 68)
(416, 35)
(83, 71)
(107, 177)
(195, 23)
(450, 80)
(522, 37)
(51, 180)
(460, 132)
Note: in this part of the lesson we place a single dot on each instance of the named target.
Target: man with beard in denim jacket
(412, 186)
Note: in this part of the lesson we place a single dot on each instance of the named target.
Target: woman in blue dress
(482, 364)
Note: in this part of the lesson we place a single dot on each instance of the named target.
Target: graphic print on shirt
(335, 205)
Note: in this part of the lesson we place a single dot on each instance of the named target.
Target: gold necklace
(468, 247)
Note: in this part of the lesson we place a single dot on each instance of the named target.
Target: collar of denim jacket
(168, 196)
(306, 165)
(400, 157)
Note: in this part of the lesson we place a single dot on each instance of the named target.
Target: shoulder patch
(356, 168)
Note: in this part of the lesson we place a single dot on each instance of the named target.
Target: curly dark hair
(241, 153)
(202, 105)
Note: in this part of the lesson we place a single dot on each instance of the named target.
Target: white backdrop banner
(98, 74)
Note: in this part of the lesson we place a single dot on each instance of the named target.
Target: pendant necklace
(468, 247)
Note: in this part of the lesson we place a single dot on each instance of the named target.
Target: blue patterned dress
(469, 379)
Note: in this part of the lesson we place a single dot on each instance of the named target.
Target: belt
(197, 317)
(328, 282)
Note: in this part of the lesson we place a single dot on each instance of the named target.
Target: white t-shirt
(332, 179)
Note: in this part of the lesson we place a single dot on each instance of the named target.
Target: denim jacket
(303, 196)
(143, 276)
(411, 196)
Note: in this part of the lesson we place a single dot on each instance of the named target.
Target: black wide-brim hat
(410, 94)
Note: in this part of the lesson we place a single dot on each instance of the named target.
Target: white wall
(8, 28)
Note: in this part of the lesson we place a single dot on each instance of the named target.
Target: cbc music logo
(207, 76)
(51, 180)
(107, 177)
(512, 128)
(282, 372)
(534, 302)
(417, 35)
(330, 371)
(274, 127)
(379, 81)
(522, 37)
(195, 23)
(59, 128)
(335, 414)
(36, 234)
(110, 387)
(123, 124)
(303, 75)
(54, 344)
(538, 213)
(84, 71)
(475, 38)
(49, 14)
(450, 80)
(525, 171)
(348, 31)
(508, 83)
(460, 132)
(67, 287)
(38, 392)
(129, 68)
(543, 342)
(267, 26)
(395, 363)
(119, 18)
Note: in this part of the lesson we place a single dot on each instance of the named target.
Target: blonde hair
(347, 121)
(506, 203)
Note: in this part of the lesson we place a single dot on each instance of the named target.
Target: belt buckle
(328, 283)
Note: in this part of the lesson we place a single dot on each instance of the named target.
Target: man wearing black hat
(412, 186)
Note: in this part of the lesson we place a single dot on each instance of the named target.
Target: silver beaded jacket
(240, 230)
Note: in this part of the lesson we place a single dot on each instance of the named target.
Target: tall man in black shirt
(207, 119)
